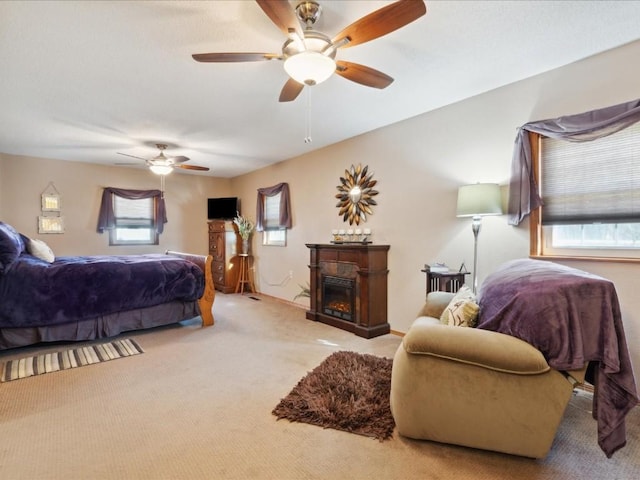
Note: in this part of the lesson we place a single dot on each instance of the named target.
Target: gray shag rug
(348, 391)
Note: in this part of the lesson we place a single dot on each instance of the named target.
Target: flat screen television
(223, 208)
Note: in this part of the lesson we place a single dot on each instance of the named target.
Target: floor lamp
(477, 201)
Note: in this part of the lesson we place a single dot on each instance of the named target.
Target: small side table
(444, 281)
(244, 275)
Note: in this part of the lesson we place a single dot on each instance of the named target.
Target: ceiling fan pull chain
(162, 186)
(307, 138)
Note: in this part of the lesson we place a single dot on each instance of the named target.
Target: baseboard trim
(306, 307)
(281, 300)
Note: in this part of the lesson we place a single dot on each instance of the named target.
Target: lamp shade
(479, 200)
(309, 67)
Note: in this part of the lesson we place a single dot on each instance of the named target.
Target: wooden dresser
(224, 245)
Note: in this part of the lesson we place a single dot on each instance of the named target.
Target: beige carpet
(197, 405)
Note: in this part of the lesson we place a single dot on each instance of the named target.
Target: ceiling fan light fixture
(161, 169)
(309, 67)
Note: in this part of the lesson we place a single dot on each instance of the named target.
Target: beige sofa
(476, 388)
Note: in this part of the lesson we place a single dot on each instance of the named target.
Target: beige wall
(420, 163)
(23, 179)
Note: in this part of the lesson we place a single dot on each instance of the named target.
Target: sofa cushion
(462, 310)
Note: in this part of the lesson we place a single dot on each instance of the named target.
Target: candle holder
(351, 235)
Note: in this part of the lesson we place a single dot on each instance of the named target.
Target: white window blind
(592, 182)
(133, 213)
(272, 212)
(274, 233)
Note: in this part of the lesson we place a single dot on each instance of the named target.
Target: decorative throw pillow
(11, 245)
(41, 250)
(462, 310)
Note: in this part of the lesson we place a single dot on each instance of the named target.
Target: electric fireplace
(349, 287)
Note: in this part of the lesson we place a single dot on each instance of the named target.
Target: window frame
(154, 236)
(274, 238)
(537, 236)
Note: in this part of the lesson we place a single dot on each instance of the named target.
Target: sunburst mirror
(356, 193)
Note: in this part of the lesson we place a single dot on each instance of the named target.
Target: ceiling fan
(163, 165)
(309, 55)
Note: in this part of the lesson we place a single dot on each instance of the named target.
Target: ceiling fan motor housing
(314, 41)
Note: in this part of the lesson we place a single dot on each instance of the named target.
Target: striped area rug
(72, 358)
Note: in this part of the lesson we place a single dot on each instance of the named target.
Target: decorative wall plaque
(355, 194)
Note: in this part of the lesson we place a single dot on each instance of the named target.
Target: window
(273, 234)
(273, 214)
(132, 217)
(591, 194)
(134, 222)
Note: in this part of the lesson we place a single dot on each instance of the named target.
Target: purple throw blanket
(34, 293)
(573, 318)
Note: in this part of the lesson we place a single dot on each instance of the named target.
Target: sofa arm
(484, 348)
(435, 304)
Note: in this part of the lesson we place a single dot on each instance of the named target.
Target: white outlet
(290, 273)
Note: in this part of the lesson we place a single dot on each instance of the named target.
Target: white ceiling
(81, 81)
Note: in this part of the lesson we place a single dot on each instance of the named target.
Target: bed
(49, 299)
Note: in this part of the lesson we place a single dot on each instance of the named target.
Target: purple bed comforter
(573, 318)
(34, 293)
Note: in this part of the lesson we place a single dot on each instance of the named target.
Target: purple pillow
(11, 246)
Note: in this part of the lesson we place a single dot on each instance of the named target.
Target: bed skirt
(101, 327)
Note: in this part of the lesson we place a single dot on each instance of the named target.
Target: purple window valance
(285, 206)
(583, 127)
(106, 218)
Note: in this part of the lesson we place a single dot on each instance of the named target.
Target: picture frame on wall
(51, 202)
(50, 224)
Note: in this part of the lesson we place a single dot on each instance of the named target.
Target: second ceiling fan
(162, 164)
(309, 55)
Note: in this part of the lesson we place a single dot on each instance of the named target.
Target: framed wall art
(50, 224)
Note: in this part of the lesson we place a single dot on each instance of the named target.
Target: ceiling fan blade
(132, 156)
(290, 91)
(283, 15)
(363, 75)
(234, 57)
(192, 167)
(382, 21)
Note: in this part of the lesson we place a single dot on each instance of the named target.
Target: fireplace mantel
(363, 268)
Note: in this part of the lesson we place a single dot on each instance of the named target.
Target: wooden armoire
(224, 246)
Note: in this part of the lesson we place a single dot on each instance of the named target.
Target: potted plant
(305, 291)
(245, 227)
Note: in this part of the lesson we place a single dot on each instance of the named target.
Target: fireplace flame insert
(338, 297)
